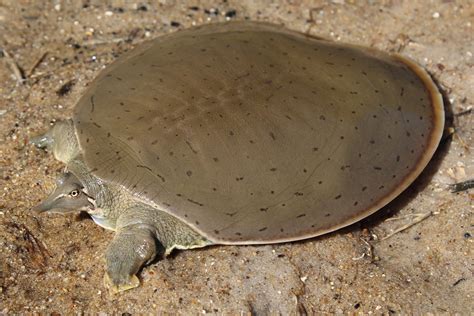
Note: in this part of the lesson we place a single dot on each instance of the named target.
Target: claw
(116, 287)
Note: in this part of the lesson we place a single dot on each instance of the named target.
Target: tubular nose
(40, 208)
(46, 205)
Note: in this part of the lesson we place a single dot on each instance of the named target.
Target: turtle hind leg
(43, 141)
(61, 140)
(132, 247)
(175, 234)
(53, 135)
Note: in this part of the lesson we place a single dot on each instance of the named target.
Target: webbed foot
(115, 286)
(132, 247)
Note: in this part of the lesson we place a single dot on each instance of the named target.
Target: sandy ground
(53, 263)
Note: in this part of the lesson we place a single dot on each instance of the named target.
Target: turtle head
(68, 196)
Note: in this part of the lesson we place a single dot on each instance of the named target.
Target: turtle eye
(74, 193)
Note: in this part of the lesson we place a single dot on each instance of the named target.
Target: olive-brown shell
(254, 134)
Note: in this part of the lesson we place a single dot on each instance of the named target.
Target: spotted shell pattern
(251, 133)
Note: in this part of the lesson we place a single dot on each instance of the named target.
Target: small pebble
(231, 14)
(212, 11)
(142, 8)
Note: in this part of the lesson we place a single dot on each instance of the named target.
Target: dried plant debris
(462, 186)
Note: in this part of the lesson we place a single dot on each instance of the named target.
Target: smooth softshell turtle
(240, 133)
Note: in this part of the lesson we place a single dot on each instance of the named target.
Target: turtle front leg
(132, 247)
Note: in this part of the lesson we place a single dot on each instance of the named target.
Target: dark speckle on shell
(293, 136)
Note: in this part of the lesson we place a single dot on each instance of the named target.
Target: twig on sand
(36, 64)
(104, 41)
(17, 71)
(462, 186)
(36, 249)
(369, 251)
(419, 217)
(462, 113)
(461, 140)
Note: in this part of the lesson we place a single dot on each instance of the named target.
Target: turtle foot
(42, 141)
(132, 247)
(117, 285)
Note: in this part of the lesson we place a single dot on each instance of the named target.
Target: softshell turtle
(240, 133)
